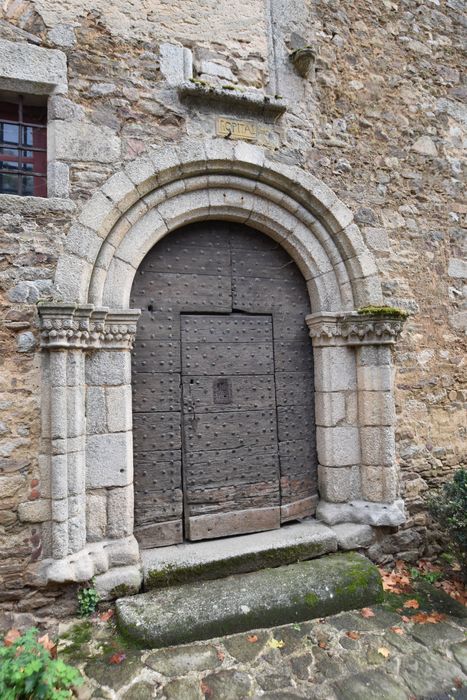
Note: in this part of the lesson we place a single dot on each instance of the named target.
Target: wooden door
(231, 473)
(249, 285)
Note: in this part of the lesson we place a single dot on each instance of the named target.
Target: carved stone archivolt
(353, 329)
(67, 326)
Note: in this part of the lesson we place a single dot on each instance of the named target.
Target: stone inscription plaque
(247, 130)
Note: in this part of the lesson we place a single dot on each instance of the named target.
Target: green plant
(27, 671)
(88, 599)
(430, 576)
(449, 508)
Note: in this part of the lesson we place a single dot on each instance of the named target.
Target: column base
(366, 512)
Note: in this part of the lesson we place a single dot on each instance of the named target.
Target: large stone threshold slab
(210, 559)
(206, 609)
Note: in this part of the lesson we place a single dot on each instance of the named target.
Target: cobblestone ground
(344, 657)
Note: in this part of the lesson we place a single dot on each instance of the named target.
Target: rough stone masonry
(374, 109)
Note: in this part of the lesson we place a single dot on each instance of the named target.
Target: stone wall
(379, 119)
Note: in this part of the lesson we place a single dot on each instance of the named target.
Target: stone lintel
(353, 329)
(249, 101)
(86, 327)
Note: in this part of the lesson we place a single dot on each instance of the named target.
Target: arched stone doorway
(87, 334)
(223, 394)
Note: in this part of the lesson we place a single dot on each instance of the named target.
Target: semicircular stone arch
(175, 186)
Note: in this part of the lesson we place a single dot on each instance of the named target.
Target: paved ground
(344, 657)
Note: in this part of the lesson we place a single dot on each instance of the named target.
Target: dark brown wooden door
(230, 449)
(242, 292)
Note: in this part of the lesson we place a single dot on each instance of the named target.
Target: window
(23, 146)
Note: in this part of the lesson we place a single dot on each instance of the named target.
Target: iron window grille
(23, 148)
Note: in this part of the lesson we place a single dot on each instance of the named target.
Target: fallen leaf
(397, 630)
(404, 618)
(384, 652)
(367, 612)
(322, 645)
(252, 638)
(425, 618)
(50, 646)
(353, 635)
(205, 689)
(220, 655)
(276, 643)
(105, 616)
(412, 603)
(458, 682)
(117, 658)
(10, 637)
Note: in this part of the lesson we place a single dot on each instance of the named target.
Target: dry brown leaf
(322, 645)
(205, 689)
(458, 682)
(252, 638)
(412, 603)
(105, 616)
(397, 630)
(353, 635)
(384, 652)
(422, 618)
(50, 646)
(404, 618)
(10, 637)
(220, 655)
(117, 658)
(367, 612)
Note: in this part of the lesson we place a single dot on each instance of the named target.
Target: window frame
(21, 148)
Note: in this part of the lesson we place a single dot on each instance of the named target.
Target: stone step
(205, 609)
(210, 559)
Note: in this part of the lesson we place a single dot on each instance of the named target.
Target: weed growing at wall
(88, 599)
(449, 508)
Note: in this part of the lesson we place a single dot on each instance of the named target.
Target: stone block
(376, 408)
(374, 356)
(99, 214)
(112, 367)
(457, 268)
(176, 63)
(96, 516)
(83, 242)
(378, 446)
(353, 535)
(116, 292)
(121, 190)
(96, 414)
(109, 460)
(59, 472)
(377, 239)
(376, 514)
(72, 277)
(338, 446)
(120, 508)
(121, 581)
(76, 468)
(26, 68)
(379, 484)
(334, 368)
(122, 552)
(375, 378)
(84, 142)
(118, 408)
(58, 179)
(329, 408)
(339, 484)
(34, 511)
(76, 417)
(59, 510)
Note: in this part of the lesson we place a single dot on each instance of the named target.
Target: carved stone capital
(353, 329)
(73, 326)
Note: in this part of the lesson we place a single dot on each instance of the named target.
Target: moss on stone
(387, 311)
(121, 590)
(311, 599)
(171, 575)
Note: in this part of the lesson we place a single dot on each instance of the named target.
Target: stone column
(355, 415)
(64, 334)
(86, 350)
